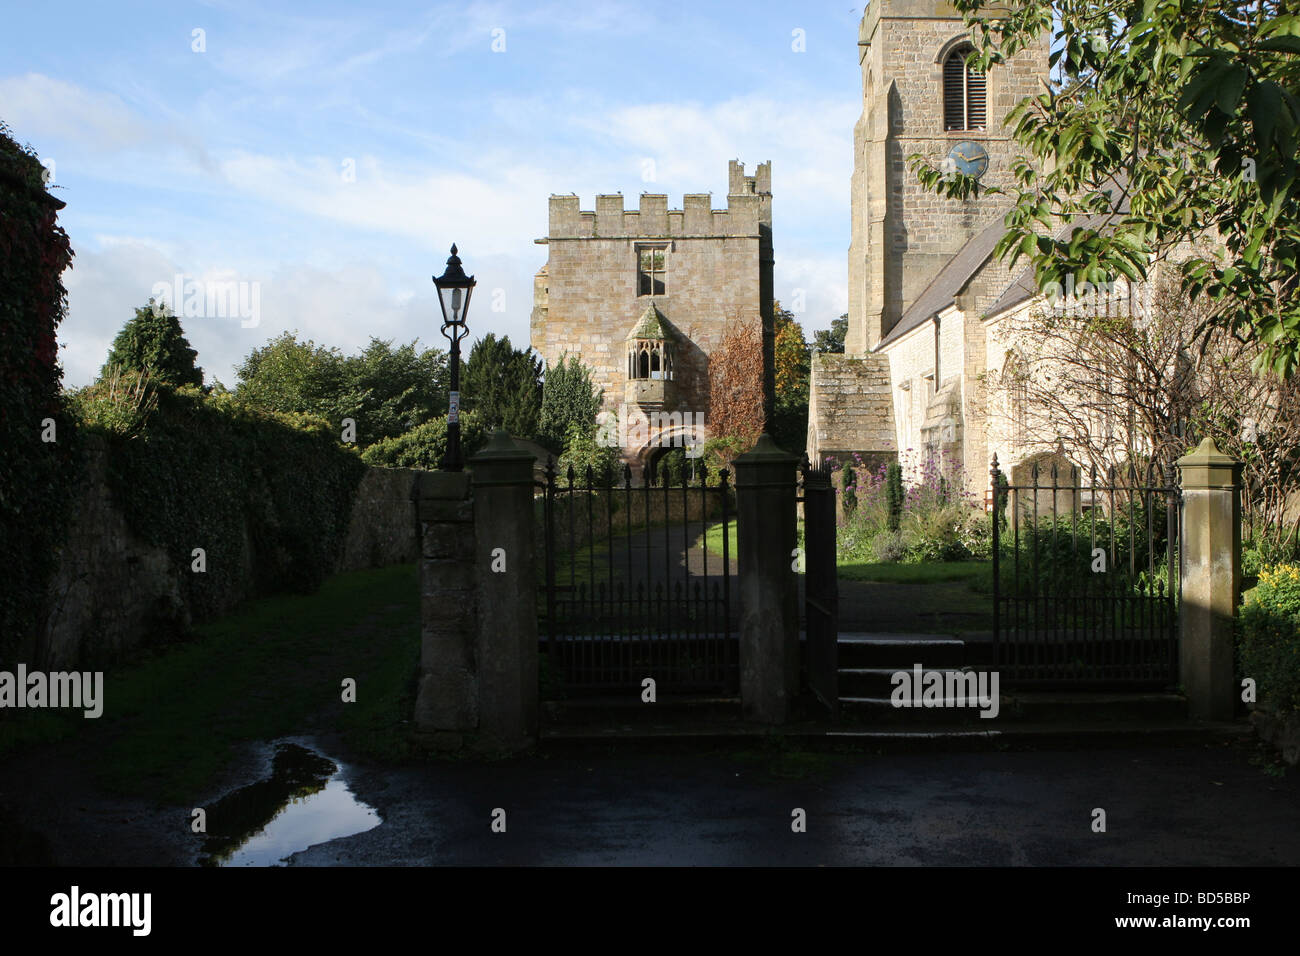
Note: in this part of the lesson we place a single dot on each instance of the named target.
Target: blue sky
(232, 163)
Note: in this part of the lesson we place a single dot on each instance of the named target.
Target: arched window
(963, 92)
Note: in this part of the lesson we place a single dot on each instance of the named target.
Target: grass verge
(273, 667)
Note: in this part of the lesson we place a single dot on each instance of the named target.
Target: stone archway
(644, 460)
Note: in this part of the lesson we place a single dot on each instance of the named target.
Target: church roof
(651, 325)
(1023, 288)
(952, 278)
(943, 288)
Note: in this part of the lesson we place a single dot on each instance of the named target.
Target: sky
(325, 155)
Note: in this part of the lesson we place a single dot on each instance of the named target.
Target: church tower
(920, 96)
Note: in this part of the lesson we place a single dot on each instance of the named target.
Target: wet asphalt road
(1192, 806)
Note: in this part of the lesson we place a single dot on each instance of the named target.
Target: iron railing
(1086, 578)
(630, 592)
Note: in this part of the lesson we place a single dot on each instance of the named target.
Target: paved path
(1191, 806)
(946, 607)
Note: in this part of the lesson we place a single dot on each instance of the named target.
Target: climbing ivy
(36, 475)
(262, 493)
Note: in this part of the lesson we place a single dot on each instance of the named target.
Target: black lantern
(454, 291)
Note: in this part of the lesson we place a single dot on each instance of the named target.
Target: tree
(287, 375)
(385, 390)
(736, 389)
(569, 398)
(1186, 109)
(1126, 388)
(832, 339)
(392, 390)
(789, 427)
(154, 342)
(791, 355)
(504, 385)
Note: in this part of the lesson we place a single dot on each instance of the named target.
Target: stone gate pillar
(1211, 580)
(506, 643)
(768, 587)
(446, 706)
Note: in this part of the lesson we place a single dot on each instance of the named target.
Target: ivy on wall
(36, 474)
(261, 493)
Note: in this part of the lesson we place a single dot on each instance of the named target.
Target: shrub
(424, 445)
(582, 451)
(888, 546)
(932, 534)
(1269, 637)
(894, 494)
(975, 532)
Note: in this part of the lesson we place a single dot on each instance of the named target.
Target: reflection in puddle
(304, 802)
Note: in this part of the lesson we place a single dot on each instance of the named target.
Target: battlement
(749, 206)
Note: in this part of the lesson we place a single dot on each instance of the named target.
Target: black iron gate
(1086, 578)
(633, 587)
(821, 589)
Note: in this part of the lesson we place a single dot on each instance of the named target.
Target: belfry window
(963, 93)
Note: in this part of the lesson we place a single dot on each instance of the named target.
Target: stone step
(876, 681)
(629, 710)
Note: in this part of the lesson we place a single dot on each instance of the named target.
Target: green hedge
(193, 470)
(1269, 638)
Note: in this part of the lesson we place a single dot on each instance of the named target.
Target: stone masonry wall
(850, 408)
(113, 591)
(718, 272)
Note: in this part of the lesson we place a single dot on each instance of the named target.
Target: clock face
(971, 159)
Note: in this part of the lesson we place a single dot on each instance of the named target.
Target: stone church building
(644, 296)
(926, 298)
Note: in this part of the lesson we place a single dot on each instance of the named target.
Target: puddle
(302, 803)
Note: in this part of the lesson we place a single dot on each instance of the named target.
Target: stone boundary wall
(114, 592)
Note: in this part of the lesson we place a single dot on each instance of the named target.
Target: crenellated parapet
(749, 207)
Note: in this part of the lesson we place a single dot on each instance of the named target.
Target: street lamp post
(454, 290)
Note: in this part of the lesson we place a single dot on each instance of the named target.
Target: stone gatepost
(506, 645)
(768, 587)
(1211, 580)
(446, 706)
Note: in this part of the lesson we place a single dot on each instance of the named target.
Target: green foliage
(582, 451)
(504, 386)
(894, 494)
(568, 398)
(119, 405)
(1056, 553)
(385, 390)
(154, 342)
(934, 533)
(1269, 638)
(268, 492)
(789, 425)
(424, 445)
(677, 468)
(36, 477)
(832, 339)
(1191, 108)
